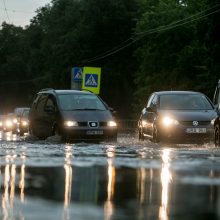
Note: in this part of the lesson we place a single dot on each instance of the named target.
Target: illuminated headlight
(70, 123)
(15, 121)
(24, 123)
(112, 124)
(144, 123)
(9, 123)
(213, 121)
(167, 121)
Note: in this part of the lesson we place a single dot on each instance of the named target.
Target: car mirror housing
(49, 109)
(151, 108)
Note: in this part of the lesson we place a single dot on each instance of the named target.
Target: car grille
(85, 124)
(190, 123)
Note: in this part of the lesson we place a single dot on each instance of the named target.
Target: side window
(216, 97)
(154, 101)
(50, 102)
(150, 100)
(34, 104)
(41, 102)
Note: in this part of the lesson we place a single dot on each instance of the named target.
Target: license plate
(94, 132)
(196, 130)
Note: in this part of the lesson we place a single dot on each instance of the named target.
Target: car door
(150, 115)
(216, 99)
(37, 116)
(50, 113)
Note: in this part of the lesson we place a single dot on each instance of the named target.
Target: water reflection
(108, 206)
(68, 180)
(10, 174)
(135, 191)
(165, 180)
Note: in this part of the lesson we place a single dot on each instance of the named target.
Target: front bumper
(181, 134)
(86, 133)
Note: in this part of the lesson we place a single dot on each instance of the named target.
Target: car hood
(87, 115)
(202, 115)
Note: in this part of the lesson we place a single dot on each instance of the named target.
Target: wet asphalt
(127, 179)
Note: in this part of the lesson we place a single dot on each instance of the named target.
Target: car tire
(56, 130)
(140, 135)
(217, 136)
(155, 138)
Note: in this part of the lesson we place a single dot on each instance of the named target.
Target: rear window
(184, 102)
(70, 102)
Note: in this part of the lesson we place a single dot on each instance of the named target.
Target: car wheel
(140, 135)
(56, 131)
(113, 138)
(155, 138)
(217, 137)
(32, 131)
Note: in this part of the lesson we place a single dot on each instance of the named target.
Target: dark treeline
(141, 45)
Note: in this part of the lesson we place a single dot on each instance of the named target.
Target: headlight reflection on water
(108, 206)
(165, 180)
(10, 177)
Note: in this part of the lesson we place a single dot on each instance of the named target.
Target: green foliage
(175, 47)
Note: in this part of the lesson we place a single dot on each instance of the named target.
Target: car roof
(177, 92)
(64, 92)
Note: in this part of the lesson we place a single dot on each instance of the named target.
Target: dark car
(216, 102)
(23, 122)
(177, 116)
(10, 123)
(72, 114)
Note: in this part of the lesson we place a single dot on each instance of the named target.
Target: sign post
(76, 78)
(91, 79)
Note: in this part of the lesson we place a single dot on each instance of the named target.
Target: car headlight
(168, 121)
(112, 124)
(213, 121)
(24, 123)
(70, 123)
(144, 123)
(15, 121)
(9, 123)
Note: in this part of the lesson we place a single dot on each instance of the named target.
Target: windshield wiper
(87, 109)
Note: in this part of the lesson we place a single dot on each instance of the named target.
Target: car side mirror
(151, 108)
(49, 109)
(112, 110)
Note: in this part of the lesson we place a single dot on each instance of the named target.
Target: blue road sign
(91, 80)
(77, 73)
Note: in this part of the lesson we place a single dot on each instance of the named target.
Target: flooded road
(124, 180)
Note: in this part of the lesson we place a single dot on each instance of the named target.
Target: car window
(184, 102)
(216, 100)
(150, 100)
(80, 102)
(50, 102)
(41, 102)
(154, 101)
(25, 113)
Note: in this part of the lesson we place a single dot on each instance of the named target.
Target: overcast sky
(19, 12)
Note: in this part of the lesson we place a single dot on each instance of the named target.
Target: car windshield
(184, 102)
(25, 113)
(80, 102)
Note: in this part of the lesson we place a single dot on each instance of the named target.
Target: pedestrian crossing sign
(91, 79)
(77, 74)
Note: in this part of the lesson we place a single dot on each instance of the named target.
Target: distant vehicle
(72, 114)
(10, 123)
(1, 122)
(19, 110)
(177, 116)
(23, 122)
(216, 102)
